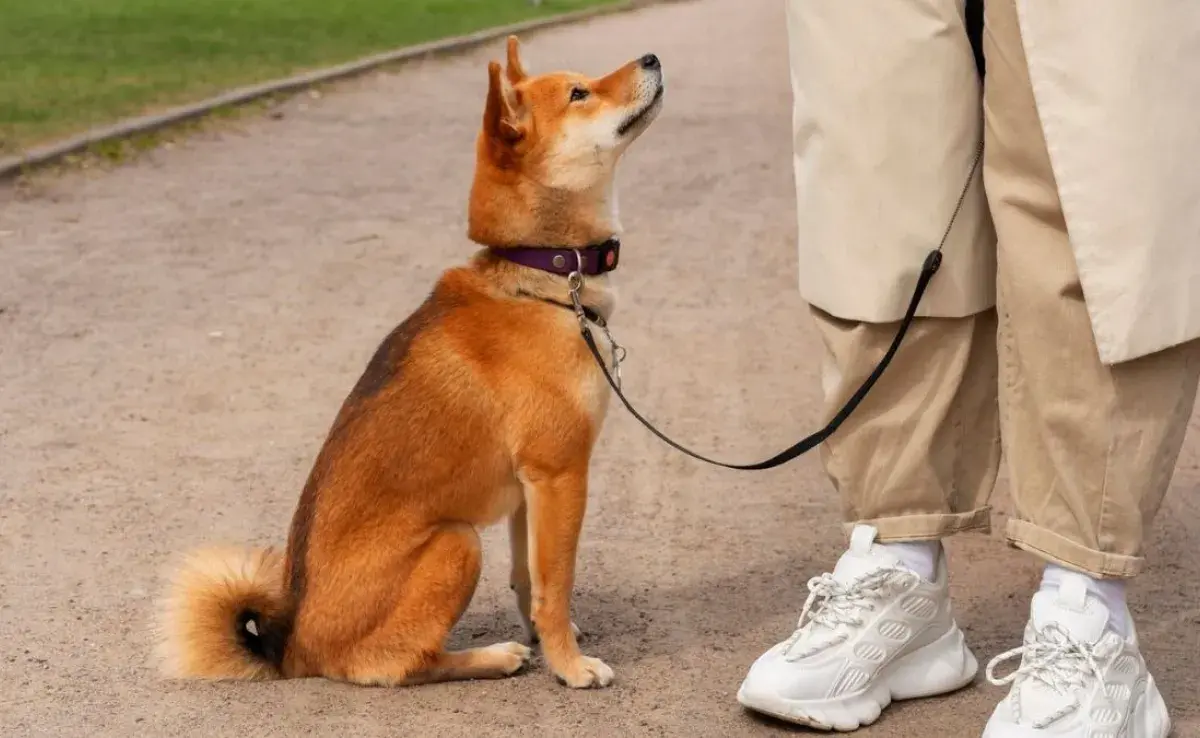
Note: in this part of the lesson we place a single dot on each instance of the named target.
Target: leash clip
(575, 285)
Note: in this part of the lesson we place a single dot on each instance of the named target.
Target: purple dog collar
(598, 259)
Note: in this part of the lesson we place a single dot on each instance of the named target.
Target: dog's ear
(516, 70)
(501, 114)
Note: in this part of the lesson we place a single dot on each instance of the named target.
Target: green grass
(66, 65)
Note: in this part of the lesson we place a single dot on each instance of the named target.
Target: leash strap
(932, 262)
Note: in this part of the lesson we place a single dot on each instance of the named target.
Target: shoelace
(1055, 659)
(831, 603)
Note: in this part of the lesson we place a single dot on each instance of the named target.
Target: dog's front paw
(586, 672)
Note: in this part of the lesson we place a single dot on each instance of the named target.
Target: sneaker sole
(1149, 718)
(943, 666)
(1155, 718)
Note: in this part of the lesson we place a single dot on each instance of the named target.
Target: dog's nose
(651, 62)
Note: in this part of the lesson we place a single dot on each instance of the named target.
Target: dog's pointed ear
(516, 70)
(501, 119)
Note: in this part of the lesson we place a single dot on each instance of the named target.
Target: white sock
(1109, 591)
(920, 556)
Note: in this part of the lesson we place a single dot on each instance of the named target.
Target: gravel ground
(177, 334)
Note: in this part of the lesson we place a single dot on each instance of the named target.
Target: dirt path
(176, 335)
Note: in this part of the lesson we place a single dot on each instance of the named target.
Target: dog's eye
(578, 93)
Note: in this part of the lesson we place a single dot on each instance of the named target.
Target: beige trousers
(1090, 448)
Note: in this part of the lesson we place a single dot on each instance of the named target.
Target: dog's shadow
(631, 623)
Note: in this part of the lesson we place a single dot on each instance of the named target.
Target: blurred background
(68, 65)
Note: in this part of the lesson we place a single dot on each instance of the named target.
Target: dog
(484, 405)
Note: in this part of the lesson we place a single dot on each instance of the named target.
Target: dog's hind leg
(490, 662)
(409, 646)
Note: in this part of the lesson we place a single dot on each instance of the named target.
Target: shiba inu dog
(482, 406)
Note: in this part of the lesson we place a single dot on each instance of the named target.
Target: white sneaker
(1078, 678)
(871, 632)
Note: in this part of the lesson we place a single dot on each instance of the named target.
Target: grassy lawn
(66, 65)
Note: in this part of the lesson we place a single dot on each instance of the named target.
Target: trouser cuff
(927, 527)
(1062, 551)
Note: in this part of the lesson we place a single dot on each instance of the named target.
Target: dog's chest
(588, 387)
(507, 499)
(594, 392)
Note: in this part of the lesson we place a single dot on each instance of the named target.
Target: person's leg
(918, 459)
(1090, 448)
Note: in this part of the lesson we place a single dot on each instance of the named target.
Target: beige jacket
(887, 118)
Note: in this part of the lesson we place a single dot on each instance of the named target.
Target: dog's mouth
(634, 120)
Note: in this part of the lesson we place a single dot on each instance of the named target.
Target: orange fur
(201, 611)
(482, 406)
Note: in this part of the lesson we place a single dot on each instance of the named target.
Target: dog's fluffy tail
(226, 615)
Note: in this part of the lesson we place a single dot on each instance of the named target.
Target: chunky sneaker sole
(1148, 720)
(942, 666)
(1151, 714)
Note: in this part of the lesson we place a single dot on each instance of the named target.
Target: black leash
(928, 269)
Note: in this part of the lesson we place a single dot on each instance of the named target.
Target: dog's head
(564, 130)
